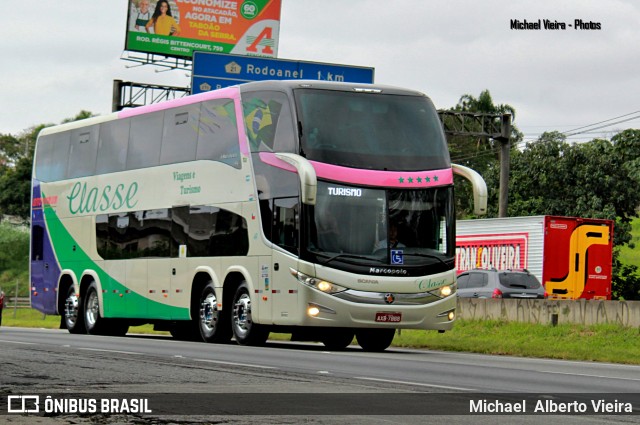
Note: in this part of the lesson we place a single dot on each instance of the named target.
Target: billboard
(180, 27)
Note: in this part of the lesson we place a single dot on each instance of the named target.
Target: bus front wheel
(337, 339)
(245, 330)
(375, 339)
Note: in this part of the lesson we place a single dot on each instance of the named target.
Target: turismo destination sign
(181, 27)
(213, 71)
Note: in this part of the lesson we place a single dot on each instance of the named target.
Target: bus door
(285, 233)
(44, 271)
(177, 268)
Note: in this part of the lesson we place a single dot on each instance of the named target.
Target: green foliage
(625, 283)
(598, 179)
(16, 164)
(14, 254)
(15, 189)
(479, 153)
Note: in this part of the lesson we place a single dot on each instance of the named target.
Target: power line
(568, 133)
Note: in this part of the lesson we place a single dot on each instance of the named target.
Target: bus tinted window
(145, 140)
(180, 134)
(267, 117)
(83, 151)
(371, 131)
(52, 156)
(218, 133)
(207, 231)
(112, 146)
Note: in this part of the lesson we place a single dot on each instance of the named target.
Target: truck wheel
(73, 319)
(245, 330)
(375, 339)
(337, 339)
(213, 324)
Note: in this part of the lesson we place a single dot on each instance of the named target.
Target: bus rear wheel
(245, 330)
(375, 340)
(94, 322)
(73, 318)
(213, 324)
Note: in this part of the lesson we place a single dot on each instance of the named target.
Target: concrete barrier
(584, 312)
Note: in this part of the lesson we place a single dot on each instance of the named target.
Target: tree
(478, 153)
(16, 164)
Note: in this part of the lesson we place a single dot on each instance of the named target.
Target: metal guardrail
(16, 302)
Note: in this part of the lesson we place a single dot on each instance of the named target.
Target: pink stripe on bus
(402, 179)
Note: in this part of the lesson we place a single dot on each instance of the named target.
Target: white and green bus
(324, 210)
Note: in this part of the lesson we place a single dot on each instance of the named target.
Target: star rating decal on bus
(418, 180)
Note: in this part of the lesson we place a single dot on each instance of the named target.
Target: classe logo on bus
(85, 199)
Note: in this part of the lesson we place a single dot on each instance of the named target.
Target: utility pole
(505, 163)
(487, 126)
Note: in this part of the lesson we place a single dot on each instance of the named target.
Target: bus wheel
(93, 321)
(375, 339)
(245, 331)
(72, 317)
(214, 324)
(337, 339)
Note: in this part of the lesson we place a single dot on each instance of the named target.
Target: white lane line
(389, 381)
(18, 342)
(100, 350)
(589, 376)
(235, 364)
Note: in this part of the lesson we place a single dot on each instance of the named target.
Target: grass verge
(599, 343)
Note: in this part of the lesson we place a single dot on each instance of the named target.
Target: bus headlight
(445, 291)
(319, 284)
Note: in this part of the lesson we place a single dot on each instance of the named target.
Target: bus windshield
(381, 226)
(373, 131)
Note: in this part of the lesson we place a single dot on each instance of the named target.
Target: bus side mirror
(307, 174)
(479, 187)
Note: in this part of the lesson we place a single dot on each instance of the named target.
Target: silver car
(481, 283)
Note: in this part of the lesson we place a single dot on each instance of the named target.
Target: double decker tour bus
(319, 209)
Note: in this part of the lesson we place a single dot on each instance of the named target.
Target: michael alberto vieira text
(549, 406)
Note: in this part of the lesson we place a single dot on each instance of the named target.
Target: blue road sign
(214, 70)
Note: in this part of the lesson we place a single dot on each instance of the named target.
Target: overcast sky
(60, 57)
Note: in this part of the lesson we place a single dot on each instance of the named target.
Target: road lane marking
(100, 350)
(18, 342)
(235, 364)
(589, 376)
(389, 381)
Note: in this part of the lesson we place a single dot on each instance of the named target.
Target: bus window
(37, 243)
(83, 152)
(267, 117)
(112, 146)
(285, 224)
(180, 134)
(218, 134)
(145, 140)
(52, 156)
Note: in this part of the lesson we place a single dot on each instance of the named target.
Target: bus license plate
(388, 317)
